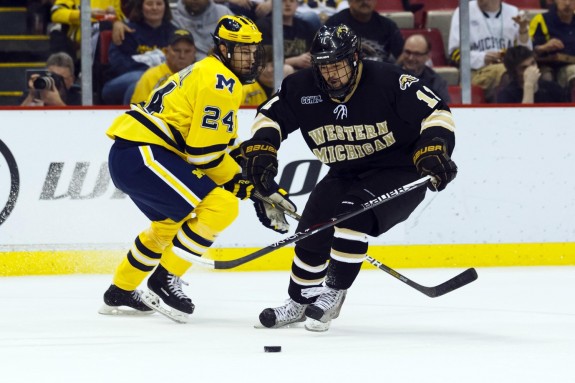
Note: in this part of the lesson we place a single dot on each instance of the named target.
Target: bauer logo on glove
(431, 158)
(261, 165)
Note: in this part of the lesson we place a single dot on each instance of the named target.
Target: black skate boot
(327, 307)
(289, 313)
(168, 288)
(123, 302)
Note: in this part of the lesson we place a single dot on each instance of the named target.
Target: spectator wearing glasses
(415, 58)
(59, 87)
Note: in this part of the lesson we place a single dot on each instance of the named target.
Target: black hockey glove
(261, 165)
(239, 186)
(431, 158)
(272, 216)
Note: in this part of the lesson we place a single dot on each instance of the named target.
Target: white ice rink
(511, 325)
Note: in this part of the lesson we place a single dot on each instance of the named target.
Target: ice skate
(123, 302)
(166, 288)
(327, 307)
(291, 312)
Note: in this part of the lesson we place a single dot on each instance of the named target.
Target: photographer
(56, 87)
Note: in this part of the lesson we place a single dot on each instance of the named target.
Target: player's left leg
(309, 265)
(348, 250)
(214, 213)
(350, 243)
(122, 297)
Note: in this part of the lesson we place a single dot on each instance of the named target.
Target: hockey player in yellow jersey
(171, 154)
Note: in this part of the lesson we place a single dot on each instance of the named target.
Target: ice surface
(511, 325)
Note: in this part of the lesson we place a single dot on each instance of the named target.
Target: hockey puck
(272, 348)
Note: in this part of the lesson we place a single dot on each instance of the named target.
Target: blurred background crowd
(522, 51)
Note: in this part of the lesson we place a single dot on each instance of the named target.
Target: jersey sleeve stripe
(261, 121)
(441, 118)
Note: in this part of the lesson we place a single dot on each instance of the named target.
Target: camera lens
(43, 82)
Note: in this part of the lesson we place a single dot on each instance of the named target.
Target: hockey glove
(239, 186)
(431, 158)
(272, 216)
(261, 165)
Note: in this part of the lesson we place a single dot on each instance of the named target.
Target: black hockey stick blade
(224, 265)
(454, 283)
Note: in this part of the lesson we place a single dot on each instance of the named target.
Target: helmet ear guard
(332, 44)
(234, 31)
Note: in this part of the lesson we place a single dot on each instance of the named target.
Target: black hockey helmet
(233, 31)
(330, 45)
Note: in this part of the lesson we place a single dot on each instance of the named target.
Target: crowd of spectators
(542, 70)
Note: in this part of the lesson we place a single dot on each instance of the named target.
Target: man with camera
(54, 86)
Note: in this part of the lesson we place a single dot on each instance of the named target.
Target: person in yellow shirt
(179, 54)
(67, 13)
(171, 154)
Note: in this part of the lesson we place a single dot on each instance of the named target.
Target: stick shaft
(221, 265)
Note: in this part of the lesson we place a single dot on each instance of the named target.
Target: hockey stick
(223, 265)
(454, 283)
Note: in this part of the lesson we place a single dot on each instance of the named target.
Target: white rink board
(514, 184)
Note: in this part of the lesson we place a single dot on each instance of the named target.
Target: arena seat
(402, 19)
(432, 6)
(389, 6)
(441, 20)
(393, 9)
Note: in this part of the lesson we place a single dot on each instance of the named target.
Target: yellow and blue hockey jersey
(194, 114)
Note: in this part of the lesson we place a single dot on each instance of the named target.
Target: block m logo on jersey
(225, 83)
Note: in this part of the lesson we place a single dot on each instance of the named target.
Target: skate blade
(122, 310)
(260, 326)
(152, 300)
(316, 326)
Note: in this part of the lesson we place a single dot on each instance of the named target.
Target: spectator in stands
(494, 27)
(61, 90)
(414, 59)
(141, 49)
(381, 39)
(200, 17)
(554, 32)
(263, 88)
(179, 54)
(253, 9)
(316, 12)
(525, 84)
(298, 35)
(120, 28)
(67, 13)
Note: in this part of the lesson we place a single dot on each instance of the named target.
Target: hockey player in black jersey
(376, 128)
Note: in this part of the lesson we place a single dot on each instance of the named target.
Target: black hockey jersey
(377, 125)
